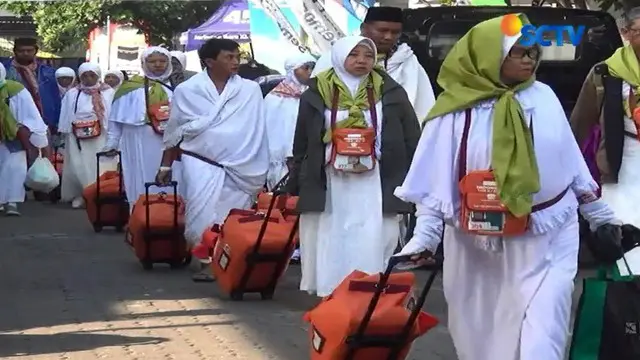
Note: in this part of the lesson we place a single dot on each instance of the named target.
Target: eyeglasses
(519, 52)
(633, 31)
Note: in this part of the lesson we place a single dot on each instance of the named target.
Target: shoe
(295, 258)
(12, 209)
(2, 208)
(77, 203)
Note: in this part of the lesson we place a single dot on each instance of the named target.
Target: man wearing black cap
(38, 79)
(383, 25)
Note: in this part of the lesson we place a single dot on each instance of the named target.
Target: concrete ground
(68, 293)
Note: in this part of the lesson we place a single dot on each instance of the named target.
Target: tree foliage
(62, 23)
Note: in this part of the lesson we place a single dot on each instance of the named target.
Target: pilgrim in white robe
(516, 292)
(13, 165)
(228, 128)
(140, 146)
(281, 111)
(79, 169)
(352, 233)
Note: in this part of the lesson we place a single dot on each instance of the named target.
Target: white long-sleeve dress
(13, 165)
(141, 147)
(80, 165)
(508, 298)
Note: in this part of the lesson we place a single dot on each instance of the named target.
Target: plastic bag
(42, 176)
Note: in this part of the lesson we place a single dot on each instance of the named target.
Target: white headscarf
(94, 68)
(159, 50)
(3, 74)
(66, 72)
(293, 63)
(339, 53)
(507, 44)
(182, 57)
(116, 73)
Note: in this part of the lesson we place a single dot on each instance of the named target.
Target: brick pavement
(67, 293)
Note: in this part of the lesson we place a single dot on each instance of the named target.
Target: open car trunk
(431, 32)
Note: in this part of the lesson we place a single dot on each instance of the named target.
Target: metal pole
(108, 42)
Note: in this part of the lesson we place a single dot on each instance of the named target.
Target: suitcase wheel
(147, 265)
(97, 228)
(267, 295)
(237, 295)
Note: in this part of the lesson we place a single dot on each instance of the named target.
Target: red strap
(462, 165)
(462, 162)
(368, 286)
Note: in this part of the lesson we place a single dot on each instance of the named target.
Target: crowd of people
(508, 275)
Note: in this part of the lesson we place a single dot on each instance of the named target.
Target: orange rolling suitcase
(252, 251)
(105, 200)
(370, 317)
(156, 228)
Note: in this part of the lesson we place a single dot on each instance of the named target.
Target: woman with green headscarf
(348, 212)
(138, 115)
(497, 170)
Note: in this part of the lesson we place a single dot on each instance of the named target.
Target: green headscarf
(8, 124)
(356, 106)
(156, 92)
(471, 74)
(623, 64)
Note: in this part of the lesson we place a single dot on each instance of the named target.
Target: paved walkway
(67, 293)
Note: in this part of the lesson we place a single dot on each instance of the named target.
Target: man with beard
(383, 25)
(39, 79)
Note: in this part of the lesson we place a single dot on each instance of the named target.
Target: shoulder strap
(372, 107)
(75, 109)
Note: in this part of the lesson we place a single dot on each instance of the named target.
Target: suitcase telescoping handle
(381, 287)
(263, 228)
(102, 154)
(174, 185)
(280, 184)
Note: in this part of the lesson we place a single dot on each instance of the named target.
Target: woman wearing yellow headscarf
(498, 165)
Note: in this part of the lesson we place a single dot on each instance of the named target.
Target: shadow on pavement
(22, 345)
(58, 276)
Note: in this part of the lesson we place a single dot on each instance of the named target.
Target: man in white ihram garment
(217, 127)
(137, 121)
(84, 122)
(18, 148)
(281, 109)
(502, 140)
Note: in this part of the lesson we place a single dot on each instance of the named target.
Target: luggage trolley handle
(265, 222)
(380, 289)
(102, 154)
(174, 185)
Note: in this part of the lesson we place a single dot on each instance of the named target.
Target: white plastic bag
(42, 176)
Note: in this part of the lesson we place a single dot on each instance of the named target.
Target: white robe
(515, 292)
(281, 115)
(141, 147)
(404, 68)
(79, 169)
(13, 166)
(624, 195)
(352, 233)
(228, 128)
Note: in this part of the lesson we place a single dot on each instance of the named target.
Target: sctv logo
(531, 35)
